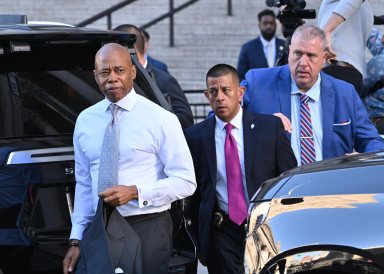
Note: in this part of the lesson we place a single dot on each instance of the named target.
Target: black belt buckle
(218, 219)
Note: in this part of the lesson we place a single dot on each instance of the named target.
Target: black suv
(46, 80)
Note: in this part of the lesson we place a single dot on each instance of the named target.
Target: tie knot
(228, 127)
(113, 107)
(304, 98)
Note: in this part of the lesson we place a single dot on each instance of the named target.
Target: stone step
(204, 34)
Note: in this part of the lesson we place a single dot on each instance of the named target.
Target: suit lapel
(285, 91)
(250, 130)
(328, 108)
(208, 139)
(259, 48)
(278, 49)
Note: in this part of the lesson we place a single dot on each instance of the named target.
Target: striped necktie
(307, 144)
(109, 156)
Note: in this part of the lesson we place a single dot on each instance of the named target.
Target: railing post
(229, 8)
(171, 25)
(109, 20)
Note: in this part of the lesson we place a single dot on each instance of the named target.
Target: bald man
(154, 168)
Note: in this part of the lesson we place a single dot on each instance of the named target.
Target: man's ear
(241, 91)
(94, 74)
(206, 93)
(133, 72)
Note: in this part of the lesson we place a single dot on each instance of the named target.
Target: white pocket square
(343, 123)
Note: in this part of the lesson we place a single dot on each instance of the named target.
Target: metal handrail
(200, 110)
(229, 8)
(170, 14)
(108, 13)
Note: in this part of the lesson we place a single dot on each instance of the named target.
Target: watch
(74, 242)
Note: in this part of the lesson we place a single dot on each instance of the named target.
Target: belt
(220, 219)
(144, 217)
(338, 63)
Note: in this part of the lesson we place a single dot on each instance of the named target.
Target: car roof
(361, 159)
(26, 46)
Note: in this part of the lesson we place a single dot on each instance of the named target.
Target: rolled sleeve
(346, 8)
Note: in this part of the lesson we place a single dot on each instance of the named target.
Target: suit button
(145, 203)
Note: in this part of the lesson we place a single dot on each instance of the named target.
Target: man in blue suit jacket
(340, 121)
(254, 54)
(263, 150)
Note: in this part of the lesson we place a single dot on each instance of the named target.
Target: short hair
(132, 29)
(310, 32)
(265, 12)
(145, 34)
(222, 69)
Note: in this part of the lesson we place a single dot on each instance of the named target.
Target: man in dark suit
(339, 120)
(233, 152)
(166, 82)
(263, 51)
(154, 62)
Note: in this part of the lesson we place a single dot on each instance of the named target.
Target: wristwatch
(74, 242)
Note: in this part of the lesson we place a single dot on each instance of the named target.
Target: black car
(326, 217)
(46, 80)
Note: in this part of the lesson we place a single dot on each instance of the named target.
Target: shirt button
(145, 203)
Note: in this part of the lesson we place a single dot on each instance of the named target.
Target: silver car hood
(293, 227)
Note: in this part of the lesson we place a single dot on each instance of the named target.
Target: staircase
(204, 34)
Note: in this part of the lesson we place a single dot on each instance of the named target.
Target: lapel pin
(252, 126)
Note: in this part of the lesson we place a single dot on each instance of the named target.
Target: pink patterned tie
(237, 207)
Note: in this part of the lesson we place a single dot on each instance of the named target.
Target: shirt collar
(236, 121)
(146, 63)
(265, 43)
(313, 92)
(127, 102)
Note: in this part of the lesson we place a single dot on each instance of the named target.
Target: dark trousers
(155, 234)
(15, 259)
(226, 248)
(348, 74)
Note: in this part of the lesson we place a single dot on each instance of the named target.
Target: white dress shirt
(316, 118)
(221, 179)
(269, 48)
(153, 155)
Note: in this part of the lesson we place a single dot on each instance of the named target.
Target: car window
(37, 103)
(357, 180)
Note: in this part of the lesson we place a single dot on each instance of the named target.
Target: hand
(286, 122)
(119, 195)
(331, 55)
(70, 260)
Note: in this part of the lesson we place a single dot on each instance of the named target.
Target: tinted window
(367, 179)
(44, 102)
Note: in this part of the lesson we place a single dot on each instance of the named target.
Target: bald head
(113, 49)
(114, 72)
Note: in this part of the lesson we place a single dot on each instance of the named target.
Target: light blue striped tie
(109, 157)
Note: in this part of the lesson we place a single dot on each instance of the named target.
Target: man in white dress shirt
(154, 167)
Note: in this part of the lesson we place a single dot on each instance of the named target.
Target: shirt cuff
(77, 232)
(145, 195)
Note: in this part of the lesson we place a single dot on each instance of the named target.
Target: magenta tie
(237, 207)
